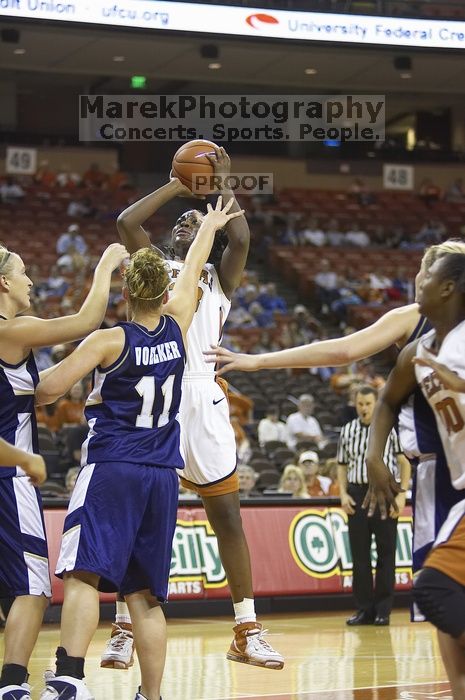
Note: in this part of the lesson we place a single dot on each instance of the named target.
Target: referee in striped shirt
(374, 603)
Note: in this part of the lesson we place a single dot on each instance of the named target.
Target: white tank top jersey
(448, 406)
(207, 325)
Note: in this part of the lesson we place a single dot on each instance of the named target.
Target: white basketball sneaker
(139, 696)
(65, 688)
(16, 692)
(249, 647)
(119, 652)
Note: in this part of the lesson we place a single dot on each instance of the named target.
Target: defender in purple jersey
(24, 571)
(122, 515)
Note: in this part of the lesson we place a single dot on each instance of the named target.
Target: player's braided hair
(5, 259)
(147, 279)
(434, 252)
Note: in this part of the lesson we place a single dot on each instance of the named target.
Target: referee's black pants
(375, 600)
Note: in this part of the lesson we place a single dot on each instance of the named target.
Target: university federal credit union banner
(294, 551)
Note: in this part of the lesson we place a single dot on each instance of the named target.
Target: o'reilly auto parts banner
(294, 551)
(239, 21)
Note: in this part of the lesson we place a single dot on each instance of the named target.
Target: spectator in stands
(70, 411)
(267, 342)
(395, 236)
(291, 334)
(312, 234)
(293, 481)
(432, 233)
(429, 193)
(239, 317)
(455, 192)
(331, 470)
(361, 193)
(334, 235)
(247, 480)
(71, 261)
(117, 180)
(55, 285)
(347, 297)
(45, 176)
(71, 238)
(326, 286)
(379, 280)
(369, 377)
(271, 428)
(270, 300)
(306, 323)
(94, 177)
(355, 236)
(65, 178)
(317, 485)
(303, 425)
(401, 285)
(243, 448)
(11, 192)
(81, 208)
(248, 295)
(262, 318)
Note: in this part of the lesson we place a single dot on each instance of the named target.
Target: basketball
(191, 161)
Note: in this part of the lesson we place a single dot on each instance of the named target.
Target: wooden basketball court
(325, 660)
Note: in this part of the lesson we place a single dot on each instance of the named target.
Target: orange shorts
(448, 553)
(219, 488)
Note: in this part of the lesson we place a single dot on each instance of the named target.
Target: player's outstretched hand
(221, 161)
(219, 216)
(449, 379)
(182, 190)
(112, 257)
(382, 489)
(34, 466)
(230, 360)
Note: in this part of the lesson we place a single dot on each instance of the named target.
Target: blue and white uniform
(122, 514)
(23, 544)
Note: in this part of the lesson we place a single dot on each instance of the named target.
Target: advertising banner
(245, 22)
(294, 551)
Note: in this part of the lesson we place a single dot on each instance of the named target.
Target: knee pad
(441, 600)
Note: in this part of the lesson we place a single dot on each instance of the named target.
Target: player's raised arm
(130, 221)
(183, 298)
(401, 382)
(394, 327)
(36, 332)
(235, 254)
(100, 348)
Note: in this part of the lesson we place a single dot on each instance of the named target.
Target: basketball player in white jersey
(436, 362)
(433, 494)
(207, 438)
(23, 548)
